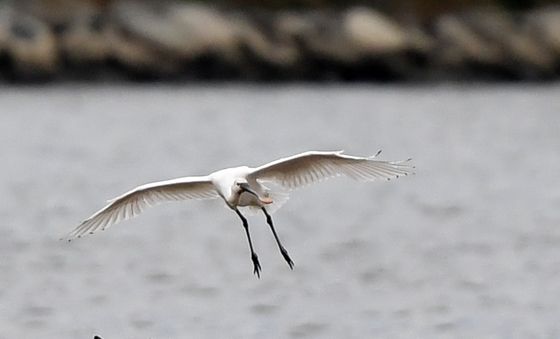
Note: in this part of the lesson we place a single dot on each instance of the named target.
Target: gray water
(469, 247)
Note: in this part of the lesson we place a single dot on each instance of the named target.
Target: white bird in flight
(245, 187)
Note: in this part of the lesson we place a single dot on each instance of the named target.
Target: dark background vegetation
(387, 39)
(425, 8)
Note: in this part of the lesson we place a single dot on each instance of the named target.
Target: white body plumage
(245, 187)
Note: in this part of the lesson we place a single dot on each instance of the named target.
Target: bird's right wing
(309, 167)
(137, 200)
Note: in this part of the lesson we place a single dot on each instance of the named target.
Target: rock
(325, 40)
(56, 13)
(178, 39)
(457, 49)
(185, 30)
(31, 47)
(85, 40)
(273, 49)
(173, 38)
(418, 41)
(371, 33)
(491, 43)
(520, 54)
(132, 33)
(459, 44)
(204, 30)
(382, 48)
(544, 26)
(4, 27)
(136, 56)
(290, 26)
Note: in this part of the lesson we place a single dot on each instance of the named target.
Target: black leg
(254, 258)
(282, 249)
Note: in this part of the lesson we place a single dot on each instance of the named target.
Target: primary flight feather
(245, 187)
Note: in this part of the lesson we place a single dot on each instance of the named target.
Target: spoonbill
(245, 187)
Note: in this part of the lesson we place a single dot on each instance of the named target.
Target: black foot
(256, 265)
(287, 258)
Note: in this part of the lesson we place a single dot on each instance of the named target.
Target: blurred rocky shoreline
(178, 41)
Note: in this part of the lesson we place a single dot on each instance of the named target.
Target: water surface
(469, 247)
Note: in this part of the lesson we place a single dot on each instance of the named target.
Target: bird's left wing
(137, 200)
(309, 167)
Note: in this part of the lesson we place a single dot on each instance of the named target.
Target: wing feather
(310, 167)
(137, 200)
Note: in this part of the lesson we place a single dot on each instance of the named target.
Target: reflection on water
(469, 247)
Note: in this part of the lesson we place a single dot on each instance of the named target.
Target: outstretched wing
(137, 200)
(309, 167)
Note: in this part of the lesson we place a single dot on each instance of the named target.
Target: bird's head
(242, 185)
